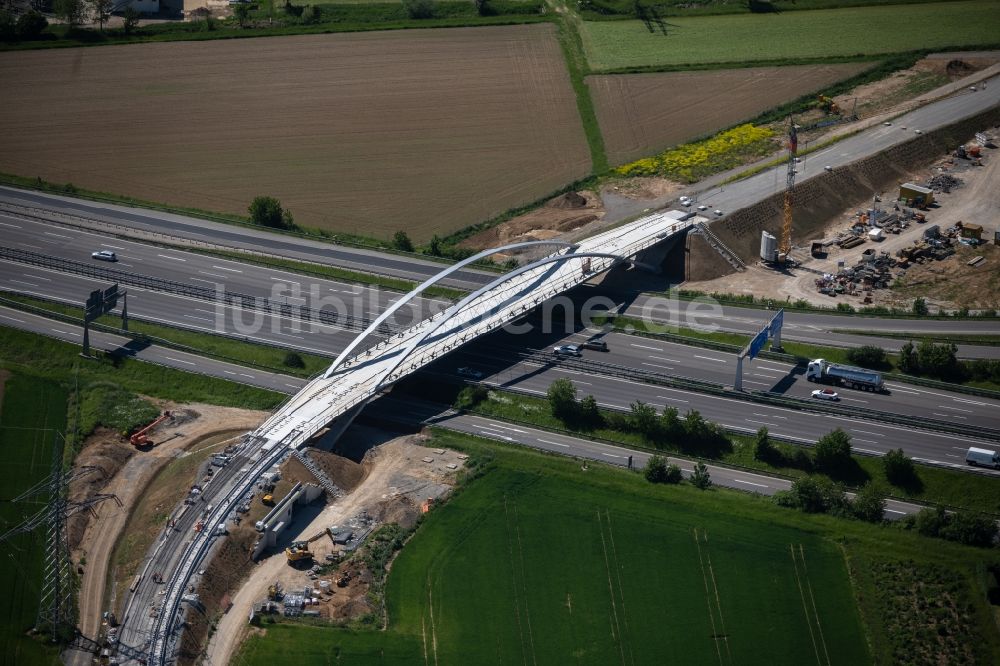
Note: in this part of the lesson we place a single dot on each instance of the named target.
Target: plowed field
(421, 130)
(641, 114)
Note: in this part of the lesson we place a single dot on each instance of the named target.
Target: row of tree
(657, 470)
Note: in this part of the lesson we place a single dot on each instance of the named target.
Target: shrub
(590, 413)
(833, 451)
(562, 400)
(267, 212)
(293, 360)
(964, 527)
(938, 360)
(470, 396)
(401, 241)
(311, 15)
(869, 356)
(814, 495)
(674, 474)
(419, 9)
(869, 503)
(644, 419)
(919, 306)
(899, 469)
(763, 447)
(701, 478)
(655, 470)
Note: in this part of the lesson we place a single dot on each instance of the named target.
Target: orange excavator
(140, 439)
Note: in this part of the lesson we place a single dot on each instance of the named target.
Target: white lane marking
(950, 416)
(773, 425)
(771, 416)
(957, 409)
(645, 347)
(37, 247)
(902, 513)
(662, 358)
(198, 318)
(973, 402)
(757, 374)
(122, 263)
(37, 277)
(876, 434)
(750, 381)
(12, 226)
(179, 360)
(781, 370)
(294, 386)
(611, 455)
(223, 268)
(497, 425)
(899, 390)
(114, 247)
(869, 441)
(579, 382)
(545, 441)
(289, 335)
(750, 483)
(246, 375)
(654, 365)
(212, 274)
(229, 372)
(952, 455)
(709, 358)
(49, 233)
(663, 397)
(30, 284)
(279, 279)
(853, 399)
(858, 448)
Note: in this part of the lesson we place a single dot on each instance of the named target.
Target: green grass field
(541, 562)
(792, 36)
(32, 410)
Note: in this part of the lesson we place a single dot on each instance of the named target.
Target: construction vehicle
(140, 439)
(785, 242)
(275, 591)
(344, 579)
(267, 500)
(844, 375)
(298, 552)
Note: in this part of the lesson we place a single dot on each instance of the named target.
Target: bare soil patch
(562, 214)
(396, 480)
(641, 114)
(423, 130)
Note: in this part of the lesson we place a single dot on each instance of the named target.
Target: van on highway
(983, 457)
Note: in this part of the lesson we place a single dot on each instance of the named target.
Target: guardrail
(258, 303)
(761, 397)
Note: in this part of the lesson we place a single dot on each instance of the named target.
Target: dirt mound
(108, 452)
(346, 473)
(293, 471)
(956, 69)
(565, 212)
(401, 510)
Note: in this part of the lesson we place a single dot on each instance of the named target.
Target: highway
(534, 378)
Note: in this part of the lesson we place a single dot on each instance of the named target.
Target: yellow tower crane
(785, 245)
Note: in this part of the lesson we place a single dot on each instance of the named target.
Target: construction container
(917, 193)
(324, 585)
(972, 231)
(876, 234)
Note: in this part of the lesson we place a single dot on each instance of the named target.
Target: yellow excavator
(298, 552)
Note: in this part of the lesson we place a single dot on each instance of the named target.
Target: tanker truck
(844, 375)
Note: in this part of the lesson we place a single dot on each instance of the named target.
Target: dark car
(598, 345)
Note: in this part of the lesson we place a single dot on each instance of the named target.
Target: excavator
(140, 439)
(298, 552)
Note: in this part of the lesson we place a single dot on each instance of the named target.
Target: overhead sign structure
(771, 330)
(101, 302)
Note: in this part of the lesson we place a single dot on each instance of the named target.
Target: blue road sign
(757, 344)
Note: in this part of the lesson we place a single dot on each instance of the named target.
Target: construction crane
(785, 245)
(140, 438)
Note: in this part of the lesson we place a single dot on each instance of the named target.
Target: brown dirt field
(641, 114)
(422, 130)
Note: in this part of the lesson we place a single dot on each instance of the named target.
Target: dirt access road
(395, 470)
(105, 529)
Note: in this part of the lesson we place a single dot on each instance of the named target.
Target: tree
(419, 9)
(931, 521)
(763, 447)
(869, 503)
(241, 11)
(655, 470)
(671, 425)
(70, 11)
(102, 11)
(908, 362)
(483, 7)
(562, 399)
(899, 469)
(938, 360)
(919, 307)
(30, 25)
(804, 495)
(434, 247)
(590, 413)
(869, 356)
(833, 451)
(130, 20)
(644, 419)
(311, 15)
(701, 478)
(401, 241)
(293, 360)
(266, 211)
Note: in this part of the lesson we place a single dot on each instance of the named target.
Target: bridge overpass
(351, 381)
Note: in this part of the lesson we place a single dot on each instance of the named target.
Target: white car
(828, 168)
(702, 207)
(887, 124)
(917, 132)
(567, 350)
(717, 212)
(826, 394)
(104, 255)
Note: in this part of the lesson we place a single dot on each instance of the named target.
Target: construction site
(876, 233)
